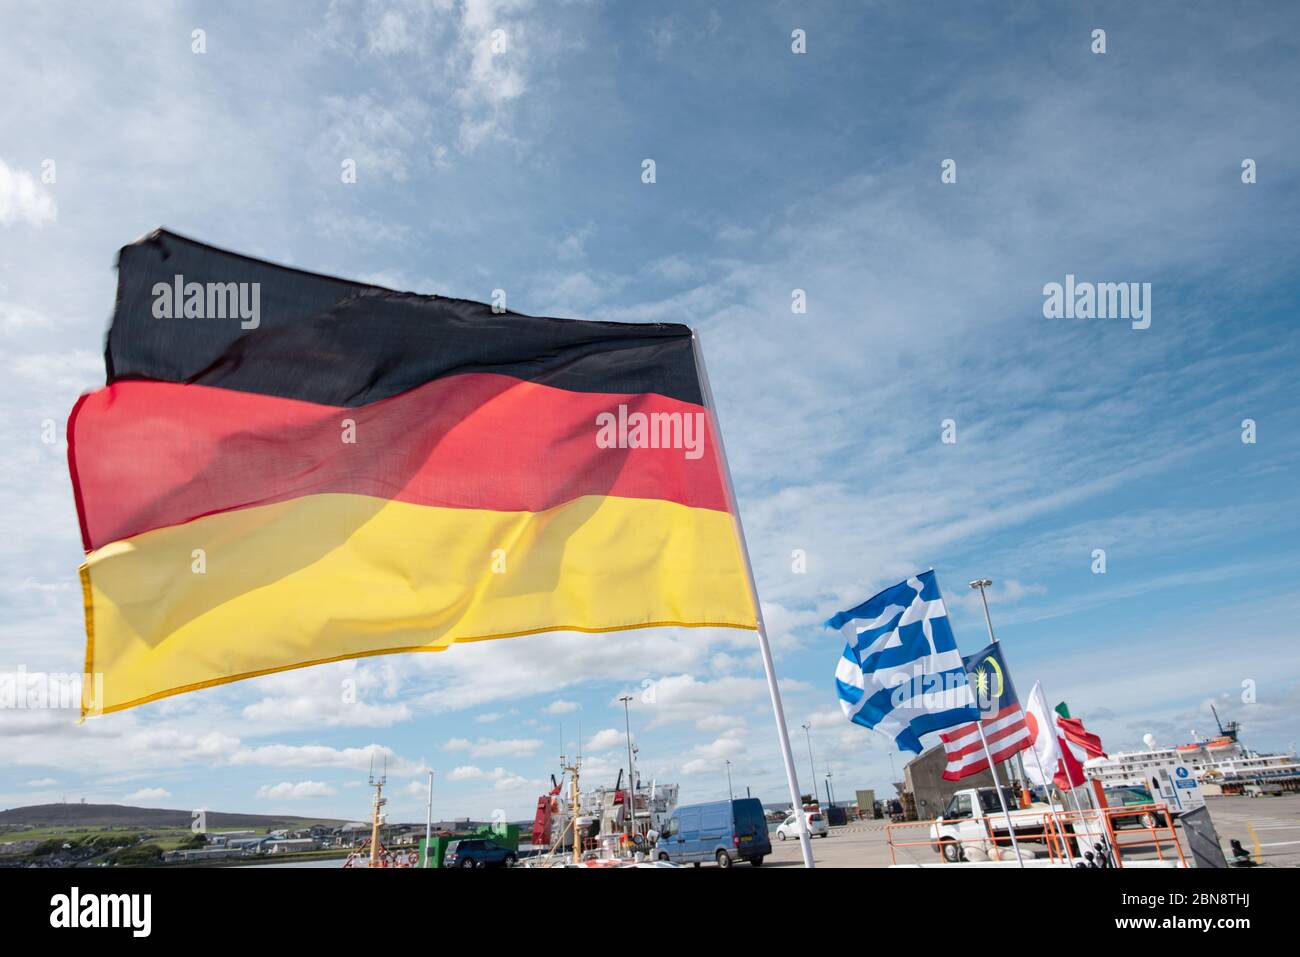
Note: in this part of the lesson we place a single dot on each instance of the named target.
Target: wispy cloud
(23, 199)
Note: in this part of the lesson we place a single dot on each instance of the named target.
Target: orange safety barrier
(937, 844)
(1083, 828)
(1155, 834)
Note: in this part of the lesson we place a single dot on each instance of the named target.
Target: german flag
(286, 469)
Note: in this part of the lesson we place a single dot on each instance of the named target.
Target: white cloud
(377, 137)
(450, 47)
(41, 782)
(473, 674)
(23, 200)
(322, 756)
(494, 747)
(342, 694)
(16, 318)
(391, 34)
(608, 738)
(290, 791)
(148, 794)
(573, 246)
(560, 706)
(466, 772)
(502, 780)
(681, 698)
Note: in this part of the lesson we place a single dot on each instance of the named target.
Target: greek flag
(901, 673)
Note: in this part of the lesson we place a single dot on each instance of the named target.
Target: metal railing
(1159, 834)
(1084, 830)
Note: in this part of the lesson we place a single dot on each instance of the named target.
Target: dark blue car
(478, 852)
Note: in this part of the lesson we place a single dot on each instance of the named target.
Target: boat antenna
(1216, 718)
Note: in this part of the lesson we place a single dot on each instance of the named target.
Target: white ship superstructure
(1221, 760)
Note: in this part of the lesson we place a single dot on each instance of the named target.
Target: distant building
(248, 844)
(225, 837)
(289, 845)
(200, 854)
(923, 777)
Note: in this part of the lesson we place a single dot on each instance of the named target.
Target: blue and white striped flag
(901, 673)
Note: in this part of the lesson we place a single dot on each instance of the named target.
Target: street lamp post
(631, 781)
(981, 584)
(428, 821)
(730, 793)
(812, 765)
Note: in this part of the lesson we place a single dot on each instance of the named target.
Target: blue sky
(775, 171)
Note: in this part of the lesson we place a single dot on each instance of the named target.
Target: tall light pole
(981, 584)
(730, 792)
(428, 822)
(830, 793)
(631, 782)
(812, 765)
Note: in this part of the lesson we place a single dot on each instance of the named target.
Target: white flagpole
(1056, 817)
(981, 584)
(1083, 817)
(428, 821)
(787, 756)
(1060, 744)
(1002, 798)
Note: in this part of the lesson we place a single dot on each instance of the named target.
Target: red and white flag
(1003, 720)
(1006, 733)
(1061, 744)
(1084, 743)
(1050, 750)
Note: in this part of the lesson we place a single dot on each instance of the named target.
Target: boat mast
(573, 811)
(380, 801)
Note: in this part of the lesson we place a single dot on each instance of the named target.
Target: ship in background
(1221, 761)
(604, 813)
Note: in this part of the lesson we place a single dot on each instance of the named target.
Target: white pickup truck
(973, 814)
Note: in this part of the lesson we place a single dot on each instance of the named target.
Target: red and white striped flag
(1005, 731)
(1004, 724)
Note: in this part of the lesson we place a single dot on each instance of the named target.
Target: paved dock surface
(1267, 827)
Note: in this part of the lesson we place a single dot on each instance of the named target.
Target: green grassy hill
(72, 817)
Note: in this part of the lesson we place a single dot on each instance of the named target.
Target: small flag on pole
(1047, 739)
(1003, 722)
(1084, 743)
(901, 673)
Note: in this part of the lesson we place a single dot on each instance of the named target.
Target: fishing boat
(601, 827)
(372, 852)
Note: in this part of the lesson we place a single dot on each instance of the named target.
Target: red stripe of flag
(1013, 732)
